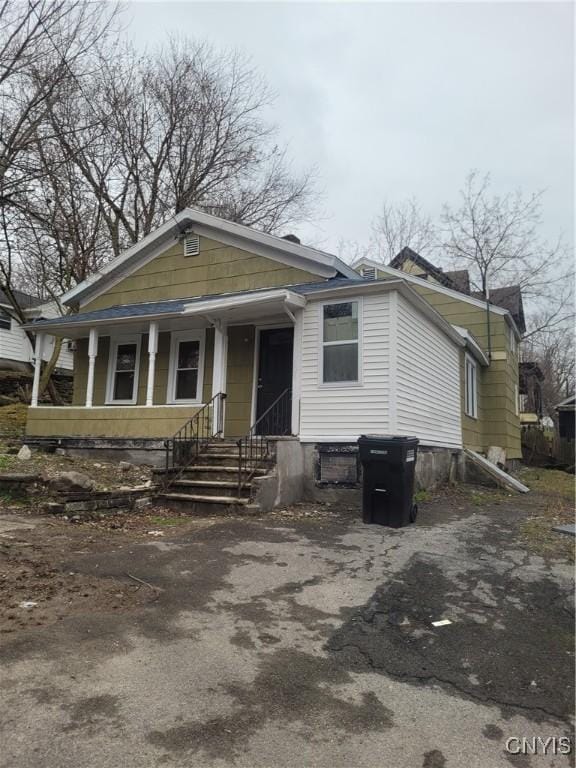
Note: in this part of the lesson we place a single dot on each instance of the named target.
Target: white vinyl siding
(14, 345)
(427, 380)
(409, 378)
(346, 410)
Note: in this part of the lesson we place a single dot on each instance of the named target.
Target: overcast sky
(392, 100)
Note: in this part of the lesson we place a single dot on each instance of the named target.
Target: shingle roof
(176, 306)
(510, 298)
(460, 279)
(25, 300)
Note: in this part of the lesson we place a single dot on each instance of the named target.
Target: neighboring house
(566, 418)
(16, 352)
(489, 389)
(298, 342)
(530, 386)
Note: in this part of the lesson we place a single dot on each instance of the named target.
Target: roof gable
(285, 251)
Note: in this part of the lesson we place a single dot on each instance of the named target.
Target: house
(489, 390)
(16, 352)
(209, 328)
(566, 418)
(530, 387)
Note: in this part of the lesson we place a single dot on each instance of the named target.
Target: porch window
(123, 371)
(186, 366)
(340, 343)
(471, 388)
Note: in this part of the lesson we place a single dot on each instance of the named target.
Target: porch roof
(236, 303)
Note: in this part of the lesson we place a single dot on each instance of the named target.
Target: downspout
(487, 292)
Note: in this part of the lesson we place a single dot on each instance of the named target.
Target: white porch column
(219, 369)
(37, 366)
(152, 351)
(296, 368)
(92, 352)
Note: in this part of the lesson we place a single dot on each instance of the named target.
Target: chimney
(292, 238)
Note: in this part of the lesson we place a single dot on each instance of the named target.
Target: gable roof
(407, 254)
(228, 232)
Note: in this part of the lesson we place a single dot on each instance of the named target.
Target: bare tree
(179, 127)
(497, 239)
(41, 43)
(400, 225)
(554, 351)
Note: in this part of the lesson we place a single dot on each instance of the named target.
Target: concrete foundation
(284, 485)
(135, 451)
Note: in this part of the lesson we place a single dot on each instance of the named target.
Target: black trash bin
(388, 465)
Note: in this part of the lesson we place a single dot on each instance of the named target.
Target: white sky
(392, 100)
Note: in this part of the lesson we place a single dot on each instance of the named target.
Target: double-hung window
(340, 350)
(471, 387)
(186, 364)
(123, 370)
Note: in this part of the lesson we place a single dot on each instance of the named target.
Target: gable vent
(191, 245)
(369, 273)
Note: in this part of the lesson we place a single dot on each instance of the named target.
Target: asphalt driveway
(304, 641)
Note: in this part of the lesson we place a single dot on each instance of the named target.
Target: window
(340, 343)
(517, 400)
(186, 365)
(123, 370)
(512, 343)
(5, 321)
(471, 393)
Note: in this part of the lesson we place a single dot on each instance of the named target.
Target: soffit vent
(191, 245)
(369, 273)
(338, 468)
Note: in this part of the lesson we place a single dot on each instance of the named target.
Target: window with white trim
(471, 387)
(340, 343)
(123, 370)
(5, 320)
(186, 367)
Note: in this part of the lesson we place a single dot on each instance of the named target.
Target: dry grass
(557, 489)
(13, 419)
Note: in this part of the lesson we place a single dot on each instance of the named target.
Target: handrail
(254, 449)
(184, 447)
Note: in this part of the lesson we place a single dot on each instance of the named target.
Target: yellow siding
(217, 269)
(118, 422)
(239, 381)
(498, 423)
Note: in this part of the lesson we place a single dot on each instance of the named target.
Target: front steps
(210, 485)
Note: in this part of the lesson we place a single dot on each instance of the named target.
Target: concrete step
(198, 504)
(209, 487)
(199, 472)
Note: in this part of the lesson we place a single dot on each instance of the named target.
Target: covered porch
(142, 371)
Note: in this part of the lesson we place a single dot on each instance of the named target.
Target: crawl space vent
(191, 245)
(369, 273)
(338, 468)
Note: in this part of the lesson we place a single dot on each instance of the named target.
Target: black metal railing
(254, 447)
(187, 444)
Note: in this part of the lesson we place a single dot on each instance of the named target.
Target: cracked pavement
(305, 642)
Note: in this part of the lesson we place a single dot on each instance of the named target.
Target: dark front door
(274, 377)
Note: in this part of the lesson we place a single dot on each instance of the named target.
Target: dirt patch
(107, 475)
